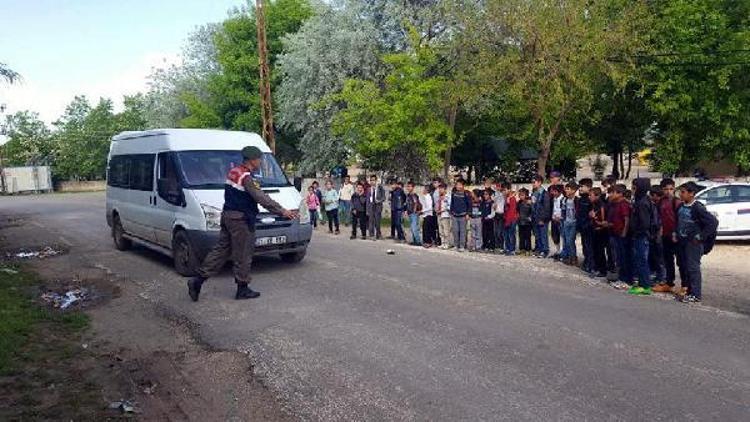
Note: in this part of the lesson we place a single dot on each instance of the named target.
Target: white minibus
(165, 191)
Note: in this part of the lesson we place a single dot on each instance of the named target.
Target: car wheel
(293, 257)
(121, 243)
(185, 259)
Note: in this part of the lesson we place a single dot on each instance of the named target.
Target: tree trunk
(452, 124)
(622, 165)
(630, 162)
(615, 167)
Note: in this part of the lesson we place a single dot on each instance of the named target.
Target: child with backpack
(695, 236)
(668, 213)
(487, 208)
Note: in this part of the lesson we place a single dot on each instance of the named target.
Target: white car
(730, 203)
(165, 191)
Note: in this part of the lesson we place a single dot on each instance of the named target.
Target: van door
(718, 201)
(169, 200)
(141, 196)
(741, 198)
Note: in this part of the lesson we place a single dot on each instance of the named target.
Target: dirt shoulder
(112, 347)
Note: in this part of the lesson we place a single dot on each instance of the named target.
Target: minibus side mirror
(171, 192)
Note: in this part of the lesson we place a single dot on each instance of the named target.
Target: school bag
(653, 230)
(707, 222)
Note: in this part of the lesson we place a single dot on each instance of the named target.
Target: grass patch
(21, 317)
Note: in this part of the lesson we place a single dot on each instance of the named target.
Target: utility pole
(265, 77)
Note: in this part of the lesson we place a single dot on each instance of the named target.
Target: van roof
(187, 139)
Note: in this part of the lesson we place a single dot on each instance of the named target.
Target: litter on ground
(123, 406)
(64, 300)
(45, 252)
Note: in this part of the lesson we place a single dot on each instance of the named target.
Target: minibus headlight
(304, 216)
(213, 217)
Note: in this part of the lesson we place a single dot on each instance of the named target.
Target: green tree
(233, 101)
(398, 125)
(334, 45)
(29, 140)
(698, 81)
(83, 137)
(171, 88)
(540, 61)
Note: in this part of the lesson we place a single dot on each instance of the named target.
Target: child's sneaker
(690, 299)
(620, 285)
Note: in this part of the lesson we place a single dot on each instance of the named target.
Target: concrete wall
(82, 186)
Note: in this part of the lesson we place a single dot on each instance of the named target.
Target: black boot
(194, 287)
(244, 292)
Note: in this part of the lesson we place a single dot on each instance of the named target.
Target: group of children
(632, 236)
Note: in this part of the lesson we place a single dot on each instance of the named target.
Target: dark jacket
(379, 198)
(583, 207)
(460, 203)
(359, 203)
(642, 219)
(542, 208)
(413, 205)
(398, 199)
(486, 208)
(524, 213)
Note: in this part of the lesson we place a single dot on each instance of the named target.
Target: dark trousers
(510, 238)
(488, 234)
(656, 259)
(669, 249)
(621, 249)
(601, 240)
(690, 254)
(397, 227)
(587, 244)
(314, 217)
(359, 219)
(555, 231)
(499, 228)
(524, 238)
(640, 260)
(429, 230)
(541, 237)
(375, 216)
(333, 219)
(236, 242)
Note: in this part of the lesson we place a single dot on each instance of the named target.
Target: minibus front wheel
(185, 258)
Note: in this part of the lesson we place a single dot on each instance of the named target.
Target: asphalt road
(355, 334)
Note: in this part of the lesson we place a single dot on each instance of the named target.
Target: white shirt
(426, 201)
(346, 191)
(499, 203)
(557, 207)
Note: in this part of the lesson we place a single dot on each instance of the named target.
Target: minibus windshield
(208, 169)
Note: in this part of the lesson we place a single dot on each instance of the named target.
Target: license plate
(274, 240)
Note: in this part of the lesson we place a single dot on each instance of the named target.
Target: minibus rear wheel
(121, 243)
(185, 259)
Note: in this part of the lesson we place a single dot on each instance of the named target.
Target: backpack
(705, 219)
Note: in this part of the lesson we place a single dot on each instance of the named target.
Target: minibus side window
(142, 172)
(119, 171)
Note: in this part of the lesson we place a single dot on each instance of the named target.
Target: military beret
(251, 153)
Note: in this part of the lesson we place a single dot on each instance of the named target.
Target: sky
(97, 48)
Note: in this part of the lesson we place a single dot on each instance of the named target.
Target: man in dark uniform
(242, 195)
